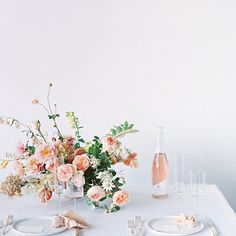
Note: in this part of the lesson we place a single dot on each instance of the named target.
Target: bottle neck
(160, 141)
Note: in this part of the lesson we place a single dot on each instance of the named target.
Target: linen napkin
(70, 219)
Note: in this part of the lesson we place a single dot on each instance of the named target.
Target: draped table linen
(212, 204)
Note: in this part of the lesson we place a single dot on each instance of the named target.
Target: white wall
(153, 62)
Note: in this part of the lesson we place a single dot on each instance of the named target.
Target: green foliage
(122, 129)
(117, 183)
(74, 122)
(30, 149)
(53, 116)
(96, 148)
(114, 209)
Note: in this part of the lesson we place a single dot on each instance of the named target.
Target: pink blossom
(50, 166)
(95, 193)
(20, 148)
(79, 179)
(120, 198)
(45, 195)
(65, 172)
(18, 168)
(34, 165)
(110, 144)
(131, 160)
(81, 162)
(45, 152)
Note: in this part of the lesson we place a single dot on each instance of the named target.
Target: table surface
(212, 205)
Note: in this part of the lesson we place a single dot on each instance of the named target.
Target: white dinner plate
(36, 226)
(166, 226)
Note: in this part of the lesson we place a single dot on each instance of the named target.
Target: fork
(9, 221)
(140, 225)
(131, 225)
(212, 226)
(1, 226)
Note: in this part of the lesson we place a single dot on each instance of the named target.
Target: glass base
(159, 196)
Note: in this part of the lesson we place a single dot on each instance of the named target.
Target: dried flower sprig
(11, 186)
(12, 121)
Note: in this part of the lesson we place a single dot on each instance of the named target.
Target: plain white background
(152, 62)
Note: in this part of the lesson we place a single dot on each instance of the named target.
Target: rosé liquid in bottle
(160, 169)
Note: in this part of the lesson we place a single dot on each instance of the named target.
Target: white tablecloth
(212, 205)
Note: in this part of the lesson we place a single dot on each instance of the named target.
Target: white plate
(165, 227)
(32, 226)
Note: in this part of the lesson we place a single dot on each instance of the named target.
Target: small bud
(35, 101)
(35, 125)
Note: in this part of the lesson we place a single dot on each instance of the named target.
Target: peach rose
(79, 151)
(131, 160)
(45, 152)
(20, 148)
(65, 172)
(18, 168)
(110, 144)
(45, 195)
(50, 166)
(33, 165)
(95, 193)
(81, 162)
(120, 198)
(79, 179)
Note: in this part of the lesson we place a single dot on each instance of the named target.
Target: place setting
(180, 225)
(73, 171)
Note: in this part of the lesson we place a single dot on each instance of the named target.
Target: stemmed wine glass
(58, 188)
(74, 192)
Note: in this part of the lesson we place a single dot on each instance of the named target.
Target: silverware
(140, 225)
(1, 226)
(9, 221)
(131, 225)
(212, 227)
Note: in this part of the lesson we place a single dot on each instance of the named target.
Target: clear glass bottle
(160, 169)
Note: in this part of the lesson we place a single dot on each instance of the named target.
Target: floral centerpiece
(71, 158)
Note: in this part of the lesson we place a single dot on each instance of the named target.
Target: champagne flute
(58, 188)
(78, 193)
(75, 188)
(74, 192)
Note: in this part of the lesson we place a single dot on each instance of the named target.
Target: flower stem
(54, 118)
(41, 134)
(30, 130)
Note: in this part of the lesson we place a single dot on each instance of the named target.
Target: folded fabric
(70, 219)
(187, 220)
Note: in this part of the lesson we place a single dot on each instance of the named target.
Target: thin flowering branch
(55, 108)
(53, 116)
(13, 120)
(40, 132)
(48, 98)
(44, 108)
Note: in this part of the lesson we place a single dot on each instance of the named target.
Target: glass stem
(59, 203)
(45, 208)
(75, 203)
